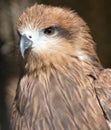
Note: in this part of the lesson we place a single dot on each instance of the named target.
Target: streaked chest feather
(59, 102)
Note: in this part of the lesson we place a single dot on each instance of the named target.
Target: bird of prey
(63, 85)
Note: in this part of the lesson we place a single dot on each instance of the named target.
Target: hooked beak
(25, 43)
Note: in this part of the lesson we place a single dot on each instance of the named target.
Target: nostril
(30, 36)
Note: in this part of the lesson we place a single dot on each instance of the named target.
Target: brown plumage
(57, 90)
(103, 90)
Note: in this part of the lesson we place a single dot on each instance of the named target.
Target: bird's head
(54, 34)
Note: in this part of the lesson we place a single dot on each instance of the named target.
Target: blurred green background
(96, 13)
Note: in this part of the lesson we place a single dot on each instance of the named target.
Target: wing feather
(103, 89)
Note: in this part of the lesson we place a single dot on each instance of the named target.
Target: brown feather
(103, 89)
(57, 90)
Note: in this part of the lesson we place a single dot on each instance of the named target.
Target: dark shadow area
(3, 109)
(8, 80)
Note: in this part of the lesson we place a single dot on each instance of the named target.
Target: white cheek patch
(40, 40)
(44, 42)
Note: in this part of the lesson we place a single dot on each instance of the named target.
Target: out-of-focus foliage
(97, 14)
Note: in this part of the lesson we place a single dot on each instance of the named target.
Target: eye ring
(49, 31)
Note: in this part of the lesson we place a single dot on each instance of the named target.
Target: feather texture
(61, 100)
(57, 89)
(103, 89)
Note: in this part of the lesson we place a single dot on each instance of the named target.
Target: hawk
(63, 86)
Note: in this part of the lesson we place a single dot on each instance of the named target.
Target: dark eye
(49, 30)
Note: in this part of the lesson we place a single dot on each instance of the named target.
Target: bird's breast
(59, 102)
